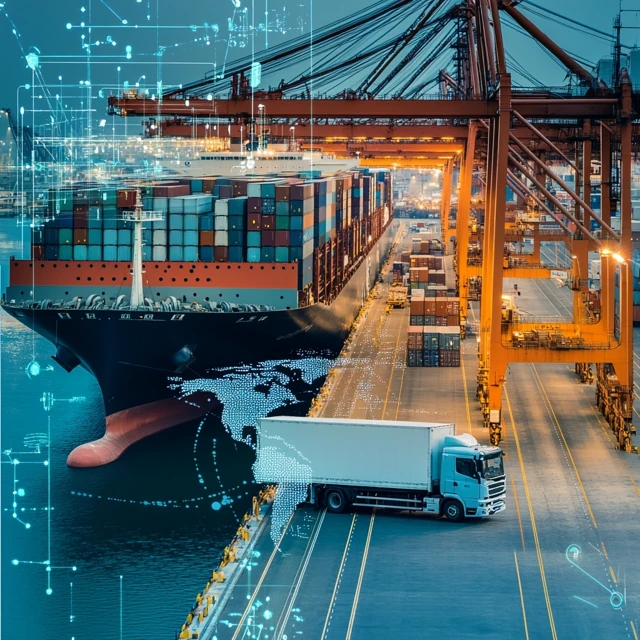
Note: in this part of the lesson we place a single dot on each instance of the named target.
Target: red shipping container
(282, 238)
(126, 198)
(268, 238)
(254, 222)
(171, 191)
(254, 205)
(221, 254)
(301, 191)
(269, 222)
(416, 307)
(79, 236)
(38, 252)
(81, 208)
(80, 219)
(239, 188)
(206, 238)
(282, 193)
(208, 184)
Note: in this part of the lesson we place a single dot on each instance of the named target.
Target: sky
(189, 24)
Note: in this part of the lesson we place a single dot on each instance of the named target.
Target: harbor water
(114, 552)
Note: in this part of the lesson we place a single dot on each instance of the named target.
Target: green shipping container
(282, 254)
(65, 236)
(282, 223)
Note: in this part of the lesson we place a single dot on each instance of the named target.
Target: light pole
(20, 154)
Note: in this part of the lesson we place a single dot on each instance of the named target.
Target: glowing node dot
(48, 568)
(46, 463)
(74, 568)
(267, 615)
(21, 493)
(216, 506)
(15, 515)
(27, 526)
(49, 591)
(14, 562)
(69, 25)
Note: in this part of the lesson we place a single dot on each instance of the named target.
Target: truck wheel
(335, 500)
(452, 511)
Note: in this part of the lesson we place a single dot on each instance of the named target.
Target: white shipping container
(221, 239)
(221, 223)
(159, 254)
(365, 455)
(159, 237)
(222, 208)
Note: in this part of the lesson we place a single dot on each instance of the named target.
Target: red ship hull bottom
(132, 425)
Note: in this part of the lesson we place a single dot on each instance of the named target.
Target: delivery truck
(415, 466)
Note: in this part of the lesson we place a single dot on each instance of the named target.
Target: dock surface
(560, 562)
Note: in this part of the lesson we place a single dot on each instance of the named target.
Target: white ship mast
(138, 217)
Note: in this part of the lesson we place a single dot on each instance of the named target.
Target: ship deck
(559, 562)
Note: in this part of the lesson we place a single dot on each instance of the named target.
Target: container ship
(143, 284)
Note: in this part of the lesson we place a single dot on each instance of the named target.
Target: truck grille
(496, 487)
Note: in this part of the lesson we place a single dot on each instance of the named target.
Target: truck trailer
(408, 466)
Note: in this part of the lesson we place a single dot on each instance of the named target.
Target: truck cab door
(463, 481)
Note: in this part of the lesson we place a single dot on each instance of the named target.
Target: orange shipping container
(80, 236)
(417, 307)
(206, 238)
(430, 307)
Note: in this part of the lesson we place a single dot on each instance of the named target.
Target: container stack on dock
(270, 220)
(433, 346)
(426, 272)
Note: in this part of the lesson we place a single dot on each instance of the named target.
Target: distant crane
(25, 134)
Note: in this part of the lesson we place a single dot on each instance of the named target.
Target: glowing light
(69, 25)
(216, 506)
(21, 493)
(33, 369)
(267, 614)
(49, 591)
(618, 258)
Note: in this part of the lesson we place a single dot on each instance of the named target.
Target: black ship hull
(147, 363)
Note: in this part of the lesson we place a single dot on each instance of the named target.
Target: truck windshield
(492, 466)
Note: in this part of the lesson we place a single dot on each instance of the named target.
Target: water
(105, 521)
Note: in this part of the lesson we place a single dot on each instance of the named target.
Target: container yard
(326, 312)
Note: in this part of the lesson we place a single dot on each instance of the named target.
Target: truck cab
(472, 479)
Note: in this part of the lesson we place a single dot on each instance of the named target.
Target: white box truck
(416, 466)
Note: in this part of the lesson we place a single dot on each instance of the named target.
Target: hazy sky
(43, 24)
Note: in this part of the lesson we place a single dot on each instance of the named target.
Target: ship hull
(142, 360)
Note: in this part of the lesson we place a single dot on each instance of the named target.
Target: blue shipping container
(124, 253)
(176, 254)
(206, 254)
(253, 254)
(109, 252)
(253, 239)
(191, 240)
(94, 252)
(236, 254)
(66, 252)
(124, 237)
(80, 252)
(176, 238)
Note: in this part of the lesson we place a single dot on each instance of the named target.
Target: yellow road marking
(515, 500)
(524, 614)
(262, 577)
(534, 528)
(613, 575)
(573, 464)
(633, 628)
(360, 577)
(604, 550)
(635, 486)
(335, 586)
(386, 398)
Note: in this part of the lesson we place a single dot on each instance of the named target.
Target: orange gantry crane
(480, 119)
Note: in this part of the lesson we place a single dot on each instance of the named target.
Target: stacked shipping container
(433, 346)
(215, 219)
